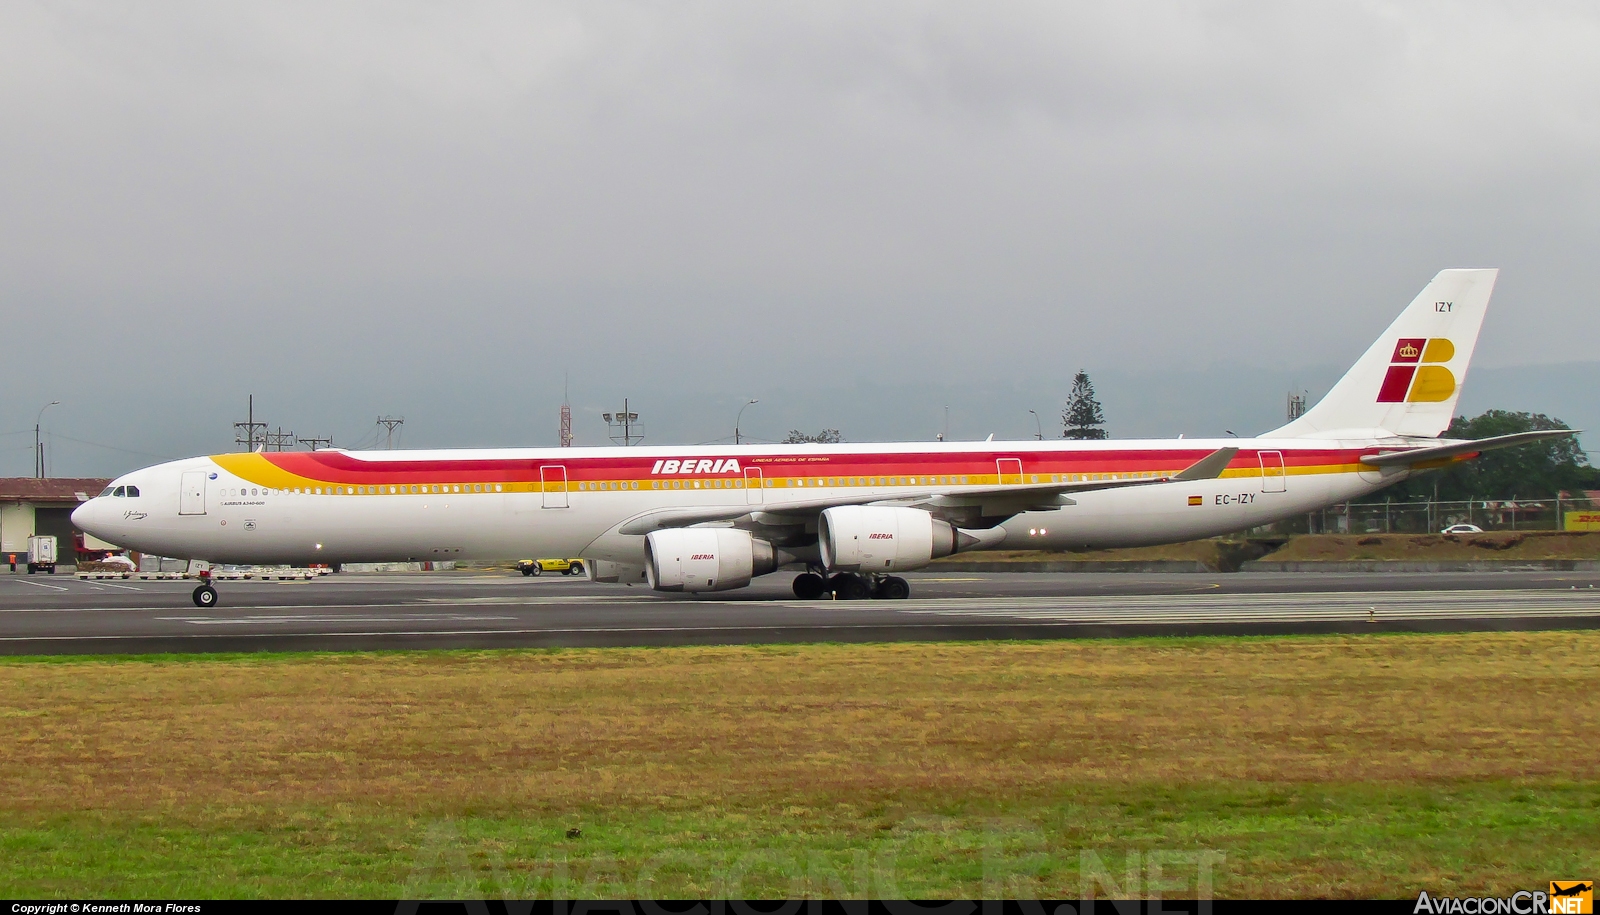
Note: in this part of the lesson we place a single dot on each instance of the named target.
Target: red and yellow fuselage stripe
(340, 473)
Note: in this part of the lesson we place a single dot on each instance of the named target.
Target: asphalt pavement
(43, 614)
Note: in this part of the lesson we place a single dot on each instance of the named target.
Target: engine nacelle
(706, 559)
(606, 572)
(873, 538)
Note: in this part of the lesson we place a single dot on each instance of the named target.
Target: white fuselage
(335, 506)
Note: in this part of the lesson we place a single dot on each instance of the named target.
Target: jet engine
(707, 559)
(874, 538)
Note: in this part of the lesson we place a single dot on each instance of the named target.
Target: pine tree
(825, 437)
(1083, 417)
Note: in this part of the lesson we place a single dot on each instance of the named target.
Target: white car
(1462, 529)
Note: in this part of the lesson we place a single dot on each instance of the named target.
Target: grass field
(1302, 766)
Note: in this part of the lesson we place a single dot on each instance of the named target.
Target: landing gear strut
(205, 596)
(850, 586)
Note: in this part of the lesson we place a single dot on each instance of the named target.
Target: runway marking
(539, 601)
(1315, 607)
(332, 618)
(40, 584)
(107, 584)
(434, 633)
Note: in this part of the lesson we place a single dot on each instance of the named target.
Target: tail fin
(1408, 382)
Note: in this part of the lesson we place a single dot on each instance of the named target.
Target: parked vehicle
(1462, 529)
(42, 554)
(540, 566)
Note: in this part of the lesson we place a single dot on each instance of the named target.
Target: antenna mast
(566, 416)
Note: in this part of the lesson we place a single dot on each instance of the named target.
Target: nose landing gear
(205, 595)
(850, 586)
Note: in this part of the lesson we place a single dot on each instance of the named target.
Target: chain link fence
(1427, 516)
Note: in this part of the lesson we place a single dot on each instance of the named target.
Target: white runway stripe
(1256, 608)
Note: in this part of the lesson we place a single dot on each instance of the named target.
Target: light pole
(739, 417)
(38, 446)
(1038, 429)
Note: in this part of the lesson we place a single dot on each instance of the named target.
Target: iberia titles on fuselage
(701, 519)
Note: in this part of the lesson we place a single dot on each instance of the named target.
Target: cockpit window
(133, 492)
(121, 491)
(108, 490)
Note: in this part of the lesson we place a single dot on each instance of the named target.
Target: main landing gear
(205, 596)
(850, 586)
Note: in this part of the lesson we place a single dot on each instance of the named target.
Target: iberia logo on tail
(1415, 374)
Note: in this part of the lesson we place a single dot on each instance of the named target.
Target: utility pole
(248, 428)
(313, 443)
(628, 421)
(274, 441)
(739, 417)
(38, 443)
(389, 423)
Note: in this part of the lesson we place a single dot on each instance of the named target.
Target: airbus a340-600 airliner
(692, 519)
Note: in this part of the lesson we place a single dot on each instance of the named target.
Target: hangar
(29, 506)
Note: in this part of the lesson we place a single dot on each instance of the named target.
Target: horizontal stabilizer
(1437, 452)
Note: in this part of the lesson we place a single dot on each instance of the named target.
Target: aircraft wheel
(205, 596)
(893, 588)
(809, 586)
(849, 587)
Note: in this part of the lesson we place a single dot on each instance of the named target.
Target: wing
(962, 506)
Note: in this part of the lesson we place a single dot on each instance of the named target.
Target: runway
(61, 615)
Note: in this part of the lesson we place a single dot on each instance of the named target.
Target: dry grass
(1502, 546)
(583, 729)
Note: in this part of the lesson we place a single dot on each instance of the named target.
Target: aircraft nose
(87, 517)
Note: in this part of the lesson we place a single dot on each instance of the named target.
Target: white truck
(42, 554)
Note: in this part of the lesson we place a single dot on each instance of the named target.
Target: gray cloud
(439, 210)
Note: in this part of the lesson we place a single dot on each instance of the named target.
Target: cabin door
(192, 494)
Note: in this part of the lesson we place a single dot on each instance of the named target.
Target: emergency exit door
(553, 483)
(192, 493)
(1273, 477)
(1010, 470)
(753, 492)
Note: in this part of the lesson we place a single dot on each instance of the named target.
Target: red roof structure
(50, 489)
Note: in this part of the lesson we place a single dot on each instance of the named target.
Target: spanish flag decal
(1196, 500)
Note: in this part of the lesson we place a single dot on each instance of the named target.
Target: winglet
(1207, 468)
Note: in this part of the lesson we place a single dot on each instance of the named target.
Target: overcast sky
(853, 212)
